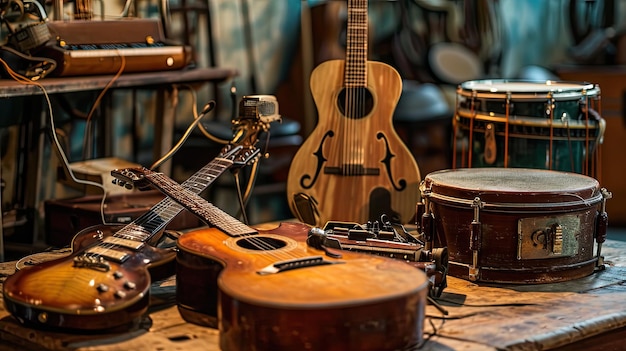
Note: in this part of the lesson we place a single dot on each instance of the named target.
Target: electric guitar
(270, 290)
(354, 167)
(104, 283)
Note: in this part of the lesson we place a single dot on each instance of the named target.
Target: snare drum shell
(528, 124)
(518, 205)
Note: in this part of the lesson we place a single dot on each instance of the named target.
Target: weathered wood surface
(526, 317)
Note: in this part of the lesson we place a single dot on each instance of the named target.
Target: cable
(207, 108)
(24, 80)
(97, 103)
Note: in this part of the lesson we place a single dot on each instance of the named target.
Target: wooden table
(581, 314)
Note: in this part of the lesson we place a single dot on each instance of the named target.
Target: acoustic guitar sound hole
(355, 102)
(261, 243)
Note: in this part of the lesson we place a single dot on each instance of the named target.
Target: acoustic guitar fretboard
(198, 205)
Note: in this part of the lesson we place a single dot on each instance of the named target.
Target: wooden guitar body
(74, 292)
(353, 167)
(293, 297)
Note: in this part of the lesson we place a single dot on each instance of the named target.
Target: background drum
(519, 225)
(543, 125)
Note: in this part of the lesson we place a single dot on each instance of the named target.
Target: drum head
(509, 185)
(522, 89)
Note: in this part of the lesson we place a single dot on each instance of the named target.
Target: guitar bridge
(93, 262)
(294, 264)
(352, 169)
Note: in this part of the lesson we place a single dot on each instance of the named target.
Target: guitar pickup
(109, 253)
(130, 244)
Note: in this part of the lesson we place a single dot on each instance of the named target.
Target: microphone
(263, 107)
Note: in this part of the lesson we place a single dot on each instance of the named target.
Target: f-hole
(355, 103)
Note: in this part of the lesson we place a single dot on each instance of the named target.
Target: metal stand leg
(1, 223)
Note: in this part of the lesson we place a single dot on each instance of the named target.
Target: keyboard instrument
(103, 47)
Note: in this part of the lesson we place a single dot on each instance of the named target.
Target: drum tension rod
(426, 220)
(602, 225)
(475, 238)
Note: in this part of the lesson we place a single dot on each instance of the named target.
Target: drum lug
(475, 239)
(602, 223)
(491, 153)
(426, 218)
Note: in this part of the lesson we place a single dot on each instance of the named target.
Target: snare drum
(544, 125)
(521, 225)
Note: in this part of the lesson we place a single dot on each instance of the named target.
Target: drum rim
(516, 206)
(583, 89)
(558, 198)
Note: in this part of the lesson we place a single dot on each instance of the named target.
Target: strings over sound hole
(262, 243)
(355, 102)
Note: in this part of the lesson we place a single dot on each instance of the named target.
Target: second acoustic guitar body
(354, 166)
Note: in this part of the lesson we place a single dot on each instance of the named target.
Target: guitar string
(361, 28)
(153, 221)
(351, 157)
(218, 218)
(223, 221)
(168, 205)
(348, 103)
(166, 184)
(356, 83)
(353, 102)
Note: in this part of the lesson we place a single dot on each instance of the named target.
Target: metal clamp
(602, 225)
(475, 239)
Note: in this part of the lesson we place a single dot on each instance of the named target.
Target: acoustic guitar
(269, 290)
(103, 284)
(354, 167)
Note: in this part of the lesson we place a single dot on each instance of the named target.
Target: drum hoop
(586, 89)
(531, 121)
(500, 206)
